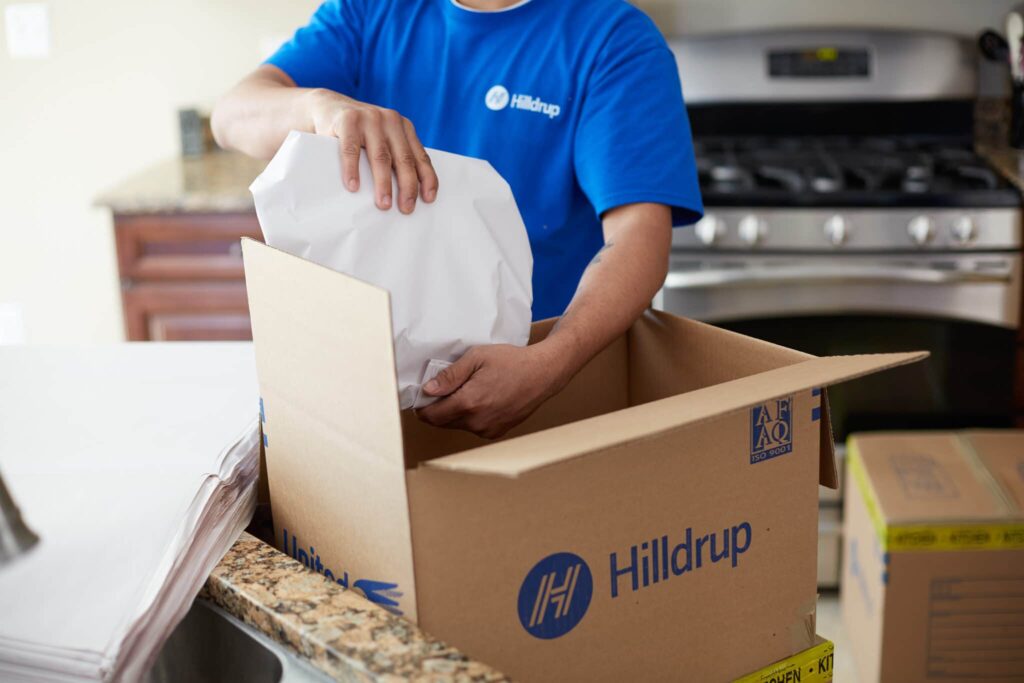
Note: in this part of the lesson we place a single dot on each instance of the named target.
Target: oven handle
(831, 275)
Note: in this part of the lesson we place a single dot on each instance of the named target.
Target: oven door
(963, 308)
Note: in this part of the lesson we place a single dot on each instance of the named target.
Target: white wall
(682, 17)
(102, 106)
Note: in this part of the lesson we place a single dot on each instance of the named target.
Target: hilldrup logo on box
(555, 595)
(771, 429)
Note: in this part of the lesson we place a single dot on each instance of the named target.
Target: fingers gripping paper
(458, 270)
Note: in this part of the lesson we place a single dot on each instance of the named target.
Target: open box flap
(325, 361)
(541, 449)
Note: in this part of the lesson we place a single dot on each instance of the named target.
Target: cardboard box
(933, 577)
(655, 520)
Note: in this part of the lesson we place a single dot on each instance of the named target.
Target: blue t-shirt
(576, 103)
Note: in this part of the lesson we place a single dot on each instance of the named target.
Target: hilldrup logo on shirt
(498, 97)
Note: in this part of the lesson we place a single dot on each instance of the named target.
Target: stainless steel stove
(839, 177)
(847, 212)
(838, 174)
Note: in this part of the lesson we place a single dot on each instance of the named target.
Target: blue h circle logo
(555, 595)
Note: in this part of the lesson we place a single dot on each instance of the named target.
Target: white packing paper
(136, 464)
(458, 269)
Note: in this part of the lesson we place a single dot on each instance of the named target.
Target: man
(576, 103)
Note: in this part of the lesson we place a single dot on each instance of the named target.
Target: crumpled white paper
(458, 269)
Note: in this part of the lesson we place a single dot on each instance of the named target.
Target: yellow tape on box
(810, 666)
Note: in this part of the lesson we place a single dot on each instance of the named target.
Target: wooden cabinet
(181, 275)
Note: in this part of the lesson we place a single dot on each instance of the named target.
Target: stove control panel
(764, 229)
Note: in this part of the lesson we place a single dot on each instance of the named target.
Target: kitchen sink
(210, 646)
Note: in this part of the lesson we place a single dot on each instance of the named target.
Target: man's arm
(256, 115)
(493, 388)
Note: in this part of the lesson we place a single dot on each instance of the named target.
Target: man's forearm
(616, 287)
(256, 115)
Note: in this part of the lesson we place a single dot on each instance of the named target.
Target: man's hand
(493, 388)
(258, 113)
(390, 142)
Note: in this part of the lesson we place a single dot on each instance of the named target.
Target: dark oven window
(967, 381)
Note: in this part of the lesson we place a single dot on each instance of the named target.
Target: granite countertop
(1008, 161)
(336, 630)
(215, 182)
(991, 132)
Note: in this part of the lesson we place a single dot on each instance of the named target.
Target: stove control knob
(837, 230)
(964, 230)
(709, 229)
(752, 229)
(921, 230)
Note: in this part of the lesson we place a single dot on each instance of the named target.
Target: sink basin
(210, 646)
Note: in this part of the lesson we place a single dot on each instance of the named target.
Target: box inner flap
(671, 355)
(599, 388)
(661, 356)
(710, 355)
(541, 449)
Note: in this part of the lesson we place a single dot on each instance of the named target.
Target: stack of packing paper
(116, 457)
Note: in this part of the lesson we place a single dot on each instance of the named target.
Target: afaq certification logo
(555, 595)
(771, 429)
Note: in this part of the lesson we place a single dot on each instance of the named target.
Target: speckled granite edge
(1007, 161)
(339, 632)
(991, 130)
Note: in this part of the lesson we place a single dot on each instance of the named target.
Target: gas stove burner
(918, 172)
(826, 183)
(726, 174)
(915, 185)
(847, 171)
